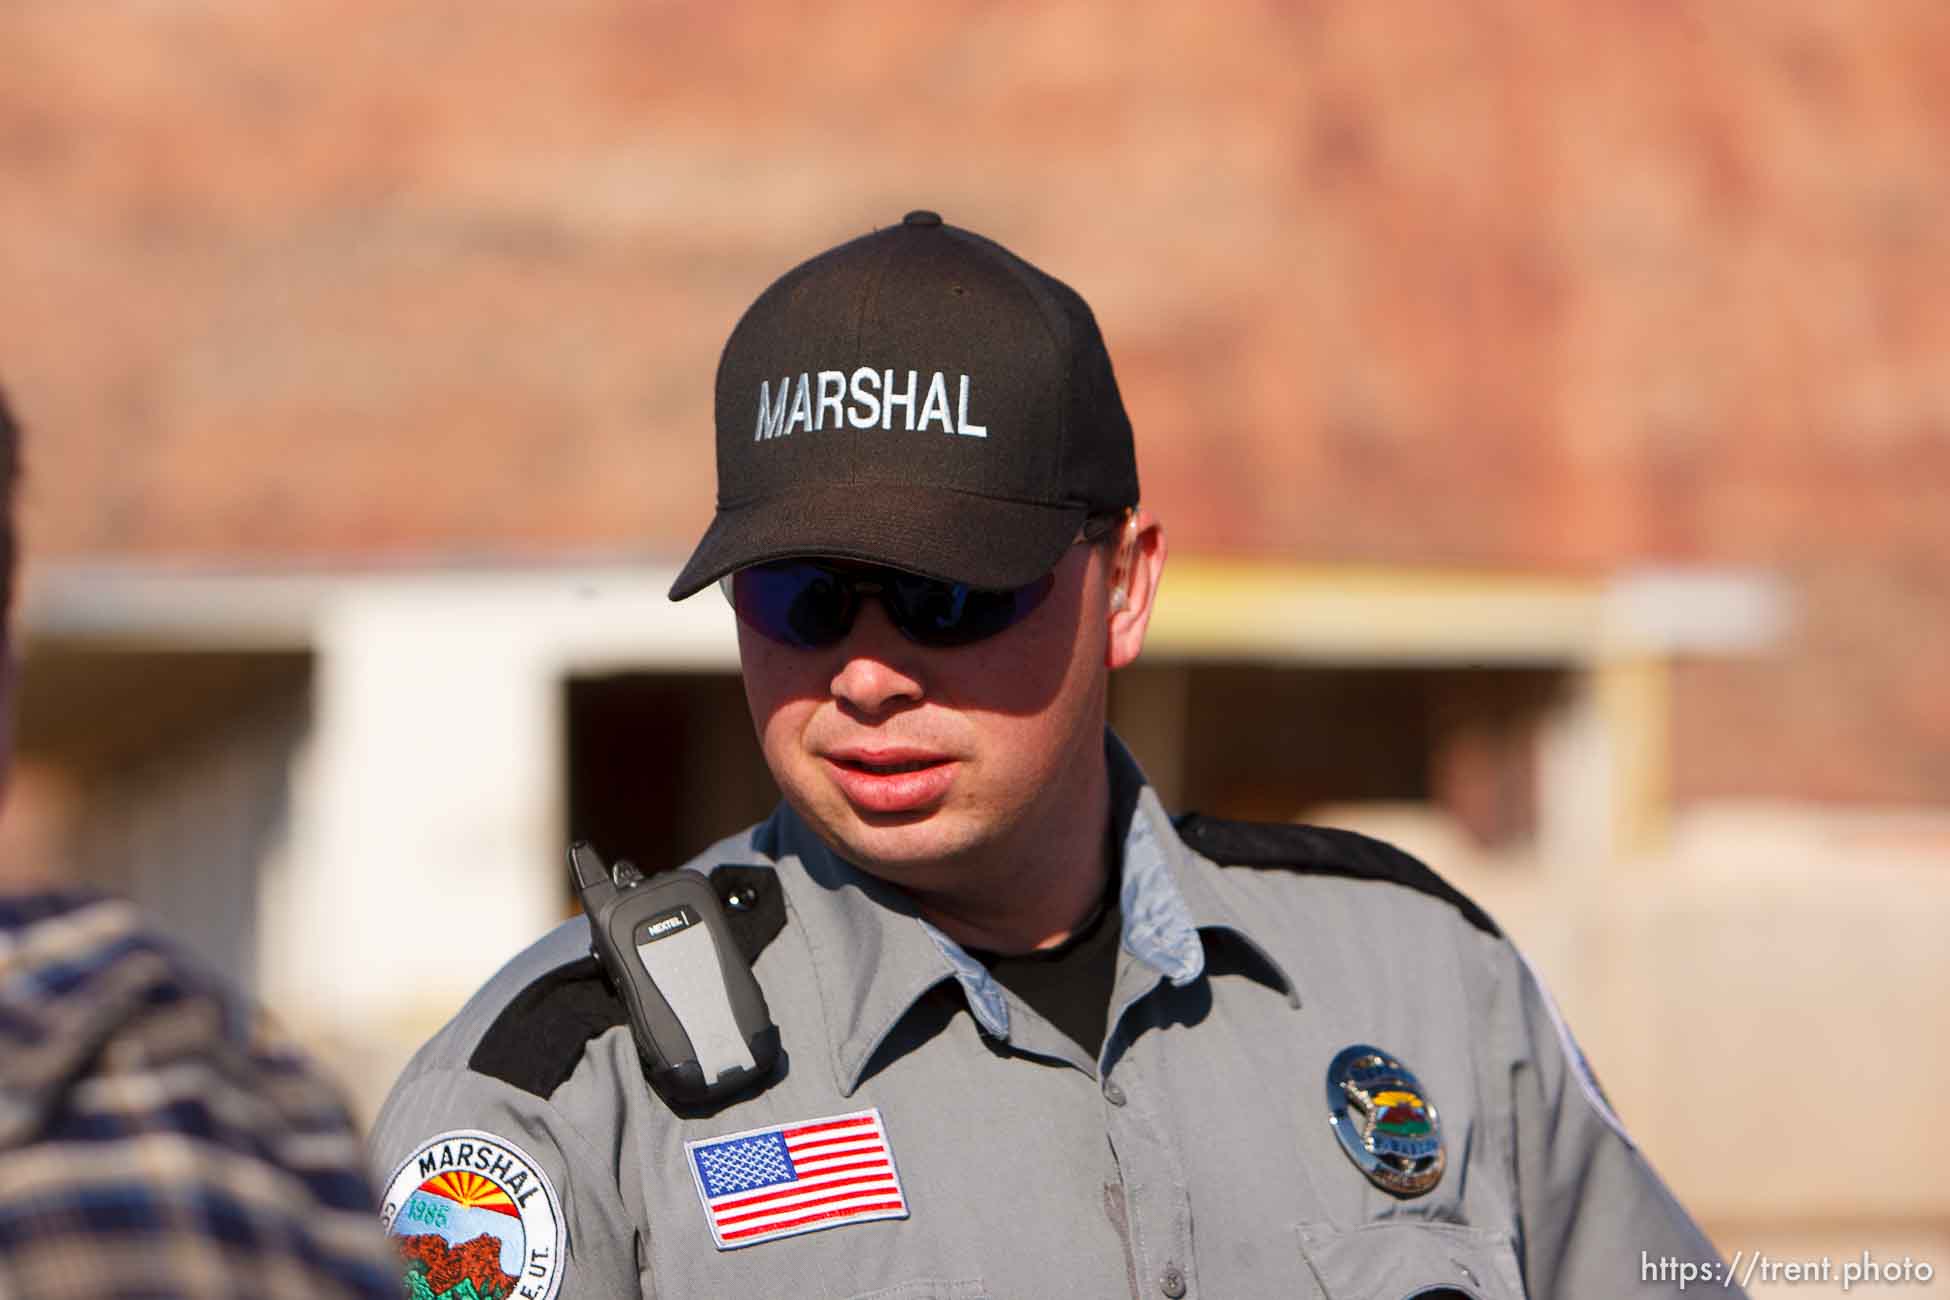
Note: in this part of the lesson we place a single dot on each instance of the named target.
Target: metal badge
(1384, 1120)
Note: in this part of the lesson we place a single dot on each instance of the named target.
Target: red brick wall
(1511, 284)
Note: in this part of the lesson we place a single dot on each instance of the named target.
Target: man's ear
(1136, 567)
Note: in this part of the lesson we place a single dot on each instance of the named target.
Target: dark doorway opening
(1269, 743)
(662, 764)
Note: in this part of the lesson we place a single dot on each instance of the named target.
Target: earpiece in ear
(1126, 557)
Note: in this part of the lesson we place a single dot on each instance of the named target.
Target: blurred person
(1039, 1037)
(157, 1137)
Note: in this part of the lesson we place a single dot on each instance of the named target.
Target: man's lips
(891, 780)
(883, 759)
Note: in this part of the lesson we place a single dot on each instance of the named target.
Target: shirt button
(1173, 1282)
(1113, 1094)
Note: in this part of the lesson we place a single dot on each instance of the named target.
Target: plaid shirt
(156, 1138)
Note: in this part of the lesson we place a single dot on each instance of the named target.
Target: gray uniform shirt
(1193, 1157)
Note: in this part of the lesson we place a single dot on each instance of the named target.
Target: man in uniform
(1038, 1037)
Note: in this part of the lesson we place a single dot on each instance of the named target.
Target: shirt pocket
(930, 1289)
(1399, 1258)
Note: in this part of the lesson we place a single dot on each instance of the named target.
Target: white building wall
(427, 837)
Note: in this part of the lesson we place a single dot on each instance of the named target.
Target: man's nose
(877, 670)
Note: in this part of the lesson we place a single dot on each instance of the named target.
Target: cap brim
(935, 532)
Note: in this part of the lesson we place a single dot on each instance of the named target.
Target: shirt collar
(1171, 896)
(874, 956)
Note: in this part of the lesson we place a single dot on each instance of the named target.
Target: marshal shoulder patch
(474, 1216)
(1574, 1056)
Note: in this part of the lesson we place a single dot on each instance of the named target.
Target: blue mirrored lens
(808, 605)
(950, 614)
(796, 603)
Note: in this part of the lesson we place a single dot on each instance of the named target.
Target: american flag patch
(793, 1178)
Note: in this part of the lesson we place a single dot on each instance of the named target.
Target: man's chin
(919, 844)
(904, 846)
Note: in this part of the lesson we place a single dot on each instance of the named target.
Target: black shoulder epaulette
(537, 1040)
(1322, 851)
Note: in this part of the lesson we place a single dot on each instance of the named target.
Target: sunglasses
(811, 604)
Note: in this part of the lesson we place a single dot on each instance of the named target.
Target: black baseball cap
(921, 398)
